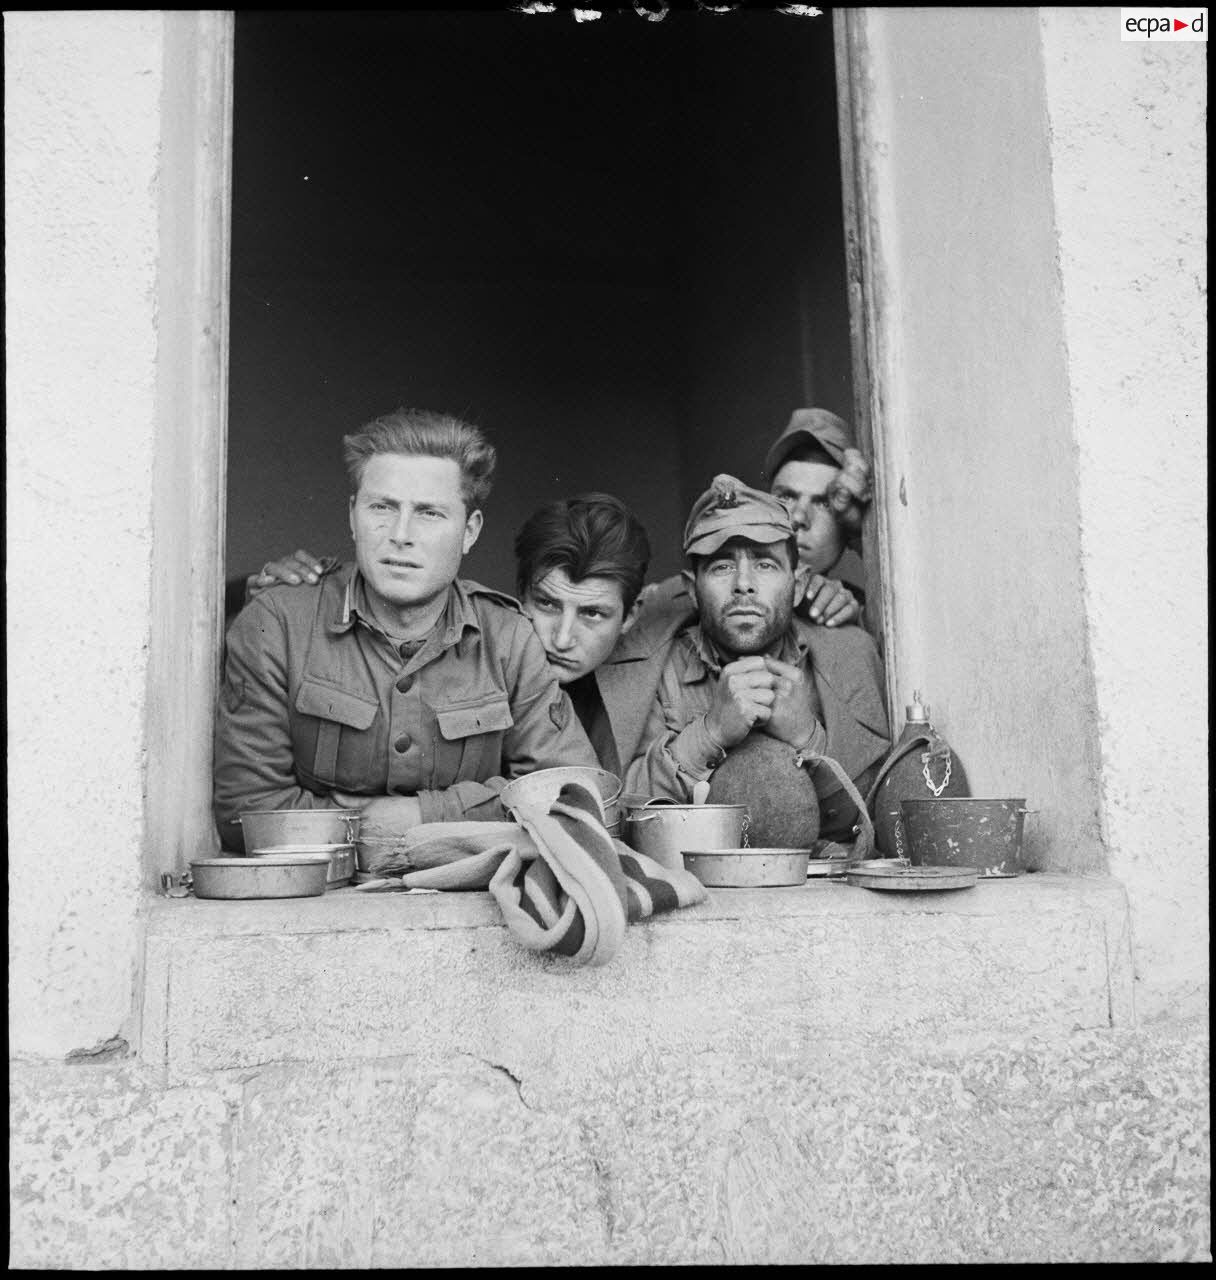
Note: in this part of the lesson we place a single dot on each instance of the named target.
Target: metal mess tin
(747, 868)
(665, 831)
(542, 787)
(341, 859)
(285, 828)
(273, 875)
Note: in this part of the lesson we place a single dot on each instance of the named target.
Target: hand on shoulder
(295, 570)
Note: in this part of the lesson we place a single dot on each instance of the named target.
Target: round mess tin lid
(745, 850)
(300, 848)
(911, 879)
(275, 858)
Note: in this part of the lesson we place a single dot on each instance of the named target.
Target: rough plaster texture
(82, 131)
(1062, 1146)
(977, 461)
(1129, 175)
(108, 1172)
(245, 984)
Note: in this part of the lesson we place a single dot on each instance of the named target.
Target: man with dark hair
(391, 686)
(579, 567)
(749, 666)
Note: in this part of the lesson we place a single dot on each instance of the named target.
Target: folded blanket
(562, 882)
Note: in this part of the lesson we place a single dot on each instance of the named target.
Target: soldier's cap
(810, 426)
(731, 509)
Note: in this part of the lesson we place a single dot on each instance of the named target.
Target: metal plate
(835, 867)
(911, 879)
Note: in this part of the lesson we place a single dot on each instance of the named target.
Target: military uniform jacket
(676, 751)
(316, 698)
(629, 678)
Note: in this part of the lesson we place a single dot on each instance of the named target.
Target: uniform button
(403, 743)
(405, 684)
(831, 813)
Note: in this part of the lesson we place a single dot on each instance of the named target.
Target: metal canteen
(921, 765)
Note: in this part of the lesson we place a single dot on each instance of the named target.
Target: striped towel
(562, 882)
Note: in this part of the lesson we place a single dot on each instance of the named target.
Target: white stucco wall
(82, 132)
(117, 246)
(977, 468)
(1129, 177)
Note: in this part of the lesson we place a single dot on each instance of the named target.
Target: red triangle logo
(1179, 25)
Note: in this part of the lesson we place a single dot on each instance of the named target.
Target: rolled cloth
(562, 882)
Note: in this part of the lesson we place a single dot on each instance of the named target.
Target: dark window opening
(617, 245)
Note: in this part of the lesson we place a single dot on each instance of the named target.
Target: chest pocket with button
(334, 738)
(469, 745)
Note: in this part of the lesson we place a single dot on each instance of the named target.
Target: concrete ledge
(350, 977)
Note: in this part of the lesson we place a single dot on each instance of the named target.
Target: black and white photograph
(636, 687)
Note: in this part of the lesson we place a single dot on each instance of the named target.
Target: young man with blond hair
(392, 686)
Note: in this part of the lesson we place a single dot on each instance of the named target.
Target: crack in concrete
(514, 1079)
(106, 1051)
(603, 1184)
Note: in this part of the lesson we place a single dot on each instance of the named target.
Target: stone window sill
(236, 984)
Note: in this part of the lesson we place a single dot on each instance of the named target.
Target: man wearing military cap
(750, 666)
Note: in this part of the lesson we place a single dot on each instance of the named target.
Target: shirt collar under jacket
(458, 611)
(706, 659)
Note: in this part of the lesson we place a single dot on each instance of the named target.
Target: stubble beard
(727, 638)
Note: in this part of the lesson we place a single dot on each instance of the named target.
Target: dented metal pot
(958, 831)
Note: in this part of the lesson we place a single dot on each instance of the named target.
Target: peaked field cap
(810, 426)
(730, 509)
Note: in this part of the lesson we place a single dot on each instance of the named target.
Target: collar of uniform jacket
(349, 605)
(706, 660)
(666, 607)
